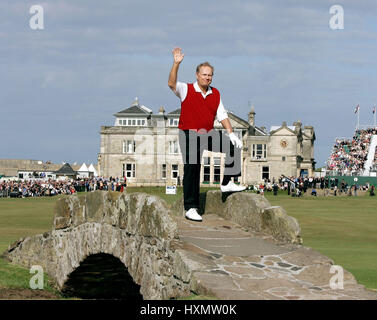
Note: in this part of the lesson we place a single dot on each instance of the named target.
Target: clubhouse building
(144, 147)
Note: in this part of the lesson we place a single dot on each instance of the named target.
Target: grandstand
(356, 157)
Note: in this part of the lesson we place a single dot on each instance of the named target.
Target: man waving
(200, 105)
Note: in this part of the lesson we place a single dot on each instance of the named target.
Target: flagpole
(374, 116)
(357, 110)
(358, 118)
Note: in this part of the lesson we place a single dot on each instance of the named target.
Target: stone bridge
(241, 240)
(135, 228)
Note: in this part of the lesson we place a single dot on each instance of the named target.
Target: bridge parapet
(251, 211)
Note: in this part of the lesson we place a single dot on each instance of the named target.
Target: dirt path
(26, 294)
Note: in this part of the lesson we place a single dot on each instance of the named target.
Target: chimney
(252, 116)
(297, 123)
(136, 102)
(161, 110)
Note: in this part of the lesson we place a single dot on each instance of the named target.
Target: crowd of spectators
(374, 164)
(349, 156)
(298, 186)
(50, 187)
(293, 184)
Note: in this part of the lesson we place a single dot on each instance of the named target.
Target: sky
(291, 59)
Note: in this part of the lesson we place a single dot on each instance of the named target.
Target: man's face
(204, 76)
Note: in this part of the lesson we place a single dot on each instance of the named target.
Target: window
(259, 151)
(173, 147)
(132, 122)
(163, 171)
(129, 146)
(282, 158)
(265, 173)
(129, 170)
(207, 169)
(174, 171)
(173, 122)
(216, 169)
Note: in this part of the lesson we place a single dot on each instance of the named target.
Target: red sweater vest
(198, 112)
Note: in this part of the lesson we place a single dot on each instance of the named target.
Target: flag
(374, 110)
(357, 108)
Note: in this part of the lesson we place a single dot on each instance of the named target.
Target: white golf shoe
(232, 187)
(193, 214)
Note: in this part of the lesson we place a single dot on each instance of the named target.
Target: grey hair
(204, 64)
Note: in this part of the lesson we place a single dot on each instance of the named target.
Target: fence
(340, 173)
(353, 180)
(4, 193)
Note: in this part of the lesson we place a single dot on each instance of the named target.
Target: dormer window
(173, 122)
(132, 122)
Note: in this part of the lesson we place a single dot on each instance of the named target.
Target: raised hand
(178, 55)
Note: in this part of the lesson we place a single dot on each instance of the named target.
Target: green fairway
(20, 218)
(24, 217)
(342, 228)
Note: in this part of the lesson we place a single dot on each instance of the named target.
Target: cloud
(94, 57)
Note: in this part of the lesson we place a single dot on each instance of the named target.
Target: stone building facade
(144, 147)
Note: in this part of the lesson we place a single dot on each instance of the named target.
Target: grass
(342, 228)
(21, 218)
(12, 276)
(24, 217)
(160, 191)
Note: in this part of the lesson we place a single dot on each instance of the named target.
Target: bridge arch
(101, 276)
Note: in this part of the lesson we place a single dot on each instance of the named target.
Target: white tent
(83, 172)
(83, 168)
(93, 170)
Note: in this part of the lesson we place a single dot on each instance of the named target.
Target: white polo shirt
(181, 93)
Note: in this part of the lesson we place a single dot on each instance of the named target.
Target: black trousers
(192, 146)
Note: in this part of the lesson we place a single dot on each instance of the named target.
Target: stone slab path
(229, 262)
